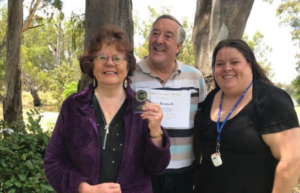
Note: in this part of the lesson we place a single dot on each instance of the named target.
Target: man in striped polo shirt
(161, 70)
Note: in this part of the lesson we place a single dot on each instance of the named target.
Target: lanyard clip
(218, 148)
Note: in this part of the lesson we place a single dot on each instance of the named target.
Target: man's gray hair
(180, 33)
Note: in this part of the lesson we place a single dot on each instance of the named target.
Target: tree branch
(27, 81)
(35, 26)
(53, 47)
(31, 4)
(38, 87)
(31, 15)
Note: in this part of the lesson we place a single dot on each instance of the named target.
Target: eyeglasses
(117, 58)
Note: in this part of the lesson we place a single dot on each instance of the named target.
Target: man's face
(163, 44)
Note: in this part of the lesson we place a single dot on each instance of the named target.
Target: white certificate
(175, 106)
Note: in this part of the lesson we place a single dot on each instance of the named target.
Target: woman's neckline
(231, 118)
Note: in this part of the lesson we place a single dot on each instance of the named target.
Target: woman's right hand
(99, 188)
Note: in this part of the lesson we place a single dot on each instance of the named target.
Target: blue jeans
(173, 183)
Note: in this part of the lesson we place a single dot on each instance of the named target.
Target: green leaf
(22, 177)
(32, 147)
(18, 184)
(23, 156)
(46, 139)
(11, 191)
(29, 164)
(46, 187)
(30, 119)
(39, 130)
(7, 184)
(14, 146)
(2, 160)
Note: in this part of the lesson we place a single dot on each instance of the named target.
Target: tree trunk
(216, 20)
(36, 99)
(12, 103)
(58, 46)
(30, 87)
(101, 12)
(57, 49)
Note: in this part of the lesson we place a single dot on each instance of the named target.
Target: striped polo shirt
(184, 77)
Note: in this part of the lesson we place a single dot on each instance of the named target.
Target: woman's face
(110, 73)
(232, 71)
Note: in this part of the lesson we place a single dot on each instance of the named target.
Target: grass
(46, 99)
(48, 110)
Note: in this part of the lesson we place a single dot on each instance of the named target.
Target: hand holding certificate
(175, 106)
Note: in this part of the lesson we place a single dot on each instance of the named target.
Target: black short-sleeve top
(243, 151)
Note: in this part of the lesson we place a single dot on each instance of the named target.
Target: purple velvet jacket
(73, 153)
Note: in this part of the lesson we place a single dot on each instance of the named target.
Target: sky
(262, 18)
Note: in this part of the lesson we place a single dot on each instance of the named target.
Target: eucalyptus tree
(12, 103)
(215, 21)
(101, 12)
(48, 59)
(3, 25)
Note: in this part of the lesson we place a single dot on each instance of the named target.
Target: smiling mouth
(110, 73)
(228, 76)
(158, 50)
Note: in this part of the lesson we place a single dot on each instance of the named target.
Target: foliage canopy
(289, 14)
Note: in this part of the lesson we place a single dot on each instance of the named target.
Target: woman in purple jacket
(98, 143)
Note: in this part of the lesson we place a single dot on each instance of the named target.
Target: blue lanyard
(229, 114)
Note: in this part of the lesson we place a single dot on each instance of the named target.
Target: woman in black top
(249, 128)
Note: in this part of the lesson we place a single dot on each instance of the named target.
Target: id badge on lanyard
(216, 157)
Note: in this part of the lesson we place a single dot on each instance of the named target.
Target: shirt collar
(144, 67)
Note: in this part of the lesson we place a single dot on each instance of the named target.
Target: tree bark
(30, 86)
(36, 98)
(57, 49)
(216, 20)
(58, 45)
(33, 7)
(12, 103)
(101, 12)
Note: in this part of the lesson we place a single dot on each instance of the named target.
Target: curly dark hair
(107, 34)
(258, 72)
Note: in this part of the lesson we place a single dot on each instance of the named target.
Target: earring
(125, 83)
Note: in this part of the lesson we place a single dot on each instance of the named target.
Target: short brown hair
(107, 34)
